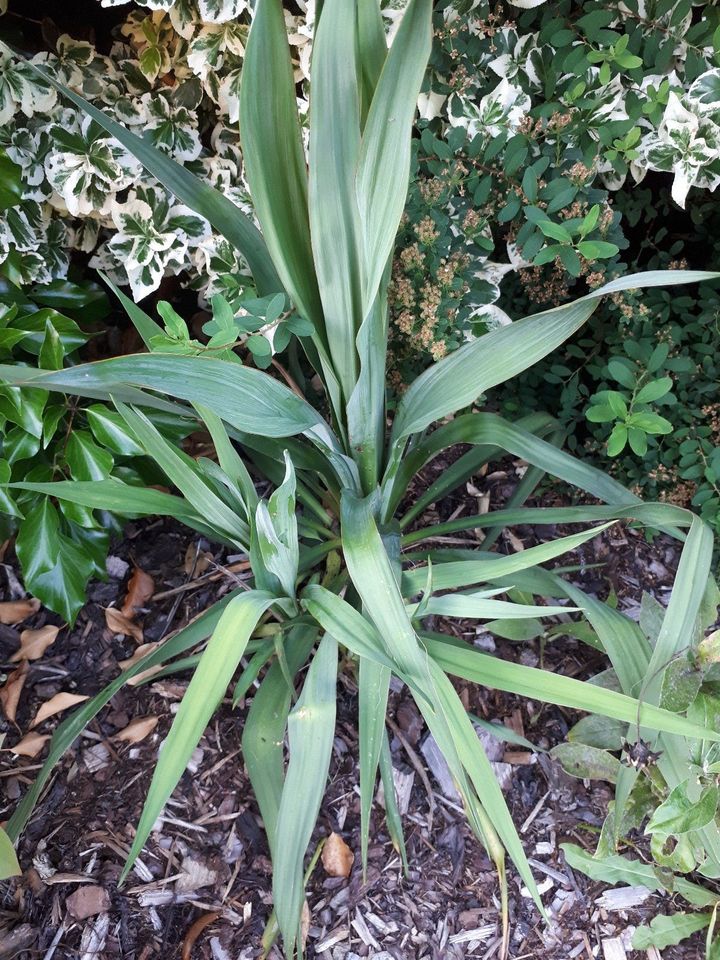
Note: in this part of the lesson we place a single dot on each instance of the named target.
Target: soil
(202, 886)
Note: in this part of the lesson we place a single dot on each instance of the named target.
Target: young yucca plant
(330, 555)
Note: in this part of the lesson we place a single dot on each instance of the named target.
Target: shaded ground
(208, 860)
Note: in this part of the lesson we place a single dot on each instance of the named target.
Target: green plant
(46, 437)
(330, 547)
(674, 806)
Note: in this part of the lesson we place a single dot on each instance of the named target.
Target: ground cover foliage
(531, 122)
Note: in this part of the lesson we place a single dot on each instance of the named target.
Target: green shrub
(328, 549)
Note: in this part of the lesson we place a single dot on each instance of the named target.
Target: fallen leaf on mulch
(140, 589)
(196, 561)
(30, 745)
(10, 693)
(88, 902)
(34, 643)
(15, 611)
(142, 651)
(195, 874)
(56, 704)
(337, 857)
(119, 623)
(137, 730)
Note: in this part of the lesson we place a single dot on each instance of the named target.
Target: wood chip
(56, 704)
(337, 857)
(623, 898)
(613, 949)
(34, 643)
(117, 622)
(141, 587)
(15, 611)
(92, 942)
(10, 693)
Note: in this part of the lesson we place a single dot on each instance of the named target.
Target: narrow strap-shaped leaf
(333, 157)
(145, 325)
(473, 607)
(207, 687)
(245, 398)
(273, 155)
(200, 196)
(228, 457)
(311, 731)
(20, 376)
(366, 408)
(651, 514)
(372, 51)
(373, 689)
(471, 664)
(457, 380)
(384, 167)
(264, 731)
(392, 811)
(372, 574)
(489, 566)
(678, 627)
(186, 477)
(457, 473)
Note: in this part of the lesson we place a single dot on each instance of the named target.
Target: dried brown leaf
(140, 589)
(337, 857)
(88, 902)
(30, 745)
(142, 651)
(56, 704)
(119, 623)
(137, 730)
(15, 611)
(10, 693)
(34, 643)
(196, 561)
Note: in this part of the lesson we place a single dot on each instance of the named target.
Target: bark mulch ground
(202, 886)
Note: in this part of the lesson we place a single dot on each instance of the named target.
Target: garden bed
(208, 861)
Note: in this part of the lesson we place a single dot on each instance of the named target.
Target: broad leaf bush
(339, 560)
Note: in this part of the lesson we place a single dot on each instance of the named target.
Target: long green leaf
(186, 477)
(460, 378)
(264, 731)
(273, 155)
(384, 164)
(207, 687)
(464, 573)
(311, 731)
(245, 398)
(471, 664)
(204, 199)
(372, 574)
(333, 157)
(373, 689)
